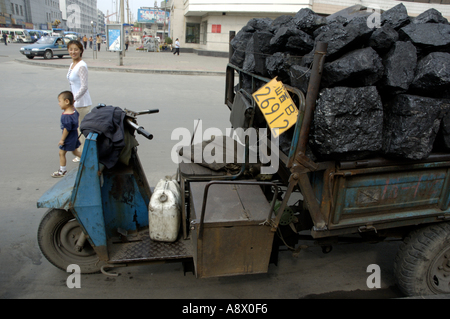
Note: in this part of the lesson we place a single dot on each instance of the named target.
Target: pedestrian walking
(78, 79)
(69, 125)
(99, 41)
(90, 42)
(5, 37)
(85, 41)
(177, 47)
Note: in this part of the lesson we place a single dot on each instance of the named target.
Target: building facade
(78, 15)
(29, 14)
(204, 25)
(72, 15)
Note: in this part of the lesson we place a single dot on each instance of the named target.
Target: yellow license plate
(277, 107)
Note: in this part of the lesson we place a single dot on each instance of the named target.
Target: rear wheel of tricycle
(58, 235)
(422, 265)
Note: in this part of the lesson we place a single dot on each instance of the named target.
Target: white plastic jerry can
(164, 211)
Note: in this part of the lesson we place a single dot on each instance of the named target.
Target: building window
(192, 33)
(216, 28)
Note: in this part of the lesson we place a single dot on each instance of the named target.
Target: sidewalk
(141, 62)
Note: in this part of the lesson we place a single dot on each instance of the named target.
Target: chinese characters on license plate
(277, 107)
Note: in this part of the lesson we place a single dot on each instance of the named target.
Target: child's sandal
(59, 173)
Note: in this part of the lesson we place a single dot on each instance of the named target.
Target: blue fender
(59, 195)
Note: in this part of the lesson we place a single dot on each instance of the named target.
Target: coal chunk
(280, 38)
(256, 51)
(281, 21)
(278, 65)
(430, 16)
(308, 21)
(396, 17)
(349, 13)
(239, 45)
(361, 67)
(442, 142)
(348, 123)
(299, 77)
(411, 123)
(342, 39)
(399, 67)
(338, 22)
(259, 24)
(427, 37)
(300, 43)
(383, 38)
(433, 74)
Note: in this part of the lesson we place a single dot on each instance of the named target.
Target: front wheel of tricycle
(422, 265)
(58, 236)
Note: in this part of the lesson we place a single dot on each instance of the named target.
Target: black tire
(57, 235)
(48, 54)
(422, 264)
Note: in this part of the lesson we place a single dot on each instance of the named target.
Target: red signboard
(216, 28)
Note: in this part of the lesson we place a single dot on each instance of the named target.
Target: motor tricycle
(232, 222)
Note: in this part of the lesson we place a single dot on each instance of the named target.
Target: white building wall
(233, 15)
(199, 7)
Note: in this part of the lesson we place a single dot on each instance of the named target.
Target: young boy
(69, 124)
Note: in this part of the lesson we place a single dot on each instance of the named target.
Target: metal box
(233, 238)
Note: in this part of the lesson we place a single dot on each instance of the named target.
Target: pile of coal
(385, 87)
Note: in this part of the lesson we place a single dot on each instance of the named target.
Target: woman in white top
(78, 79)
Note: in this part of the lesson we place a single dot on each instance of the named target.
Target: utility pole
(122, 20)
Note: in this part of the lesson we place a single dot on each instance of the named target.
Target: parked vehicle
(233, 222)
(37, 34)
(20, 35)
(72, 35)
(47, 47)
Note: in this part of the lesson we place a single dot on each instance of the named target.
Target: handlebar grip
(149, 111)
(143, 132)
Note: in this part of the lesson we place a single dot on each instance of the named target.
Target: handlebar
(140, 130)
(147, 112)
(134, 114)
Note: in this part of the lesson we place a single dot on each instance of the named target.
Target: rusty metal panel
(124, 203)
(231, 202)
(235, 250)
(363, 199)
(235, 239)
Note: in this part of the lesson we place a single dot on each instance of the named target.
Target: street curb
(129, 70)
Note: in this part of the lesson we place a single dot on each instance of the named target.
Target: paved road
(29, 134)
